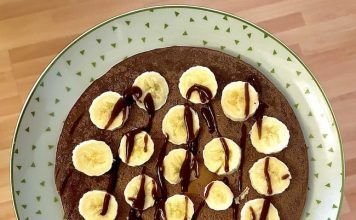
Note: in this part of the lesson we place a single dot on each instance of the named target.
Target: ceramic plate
(93, 53)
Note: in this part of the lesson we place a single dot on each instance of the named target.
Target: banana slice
(172, 164)
(91, 205)
(274, 136)
(92, 157)
(197, 75)
(233, 101)
(142, 150)
(101, 108)
(218, 196)
(179, 207)
(155, 84)
(278, 173)
(133, 188)
(214, 156)
(173, 124)
(253, 208)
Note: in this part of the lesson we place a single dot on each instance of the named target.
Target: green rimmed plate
(97, 50)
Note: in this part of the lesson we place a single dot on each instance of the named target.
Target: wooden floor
(321, 32)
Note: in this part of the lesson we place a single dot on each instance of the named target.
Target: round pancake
(171, 63)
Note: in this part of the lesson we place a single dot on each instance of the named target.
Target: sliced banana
(278, 172)
(101, 108)
(133, 188)
(179, 207)
(92, 157)
(155, 84)
(91, 205)
(218, 196)
(142, 150)
(214, 156)
(172, 164)
(274, 136)
(233, 101)
(173, 124)
(253, 208)
(197, 75)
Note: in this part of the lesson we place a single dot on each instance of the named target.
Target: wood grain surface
(321, 32)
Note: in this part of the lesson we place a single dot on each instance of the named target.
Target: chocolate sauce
(209, 117)
(134, 214)
(196, 213)
(188, 121)
(247, 100)
(162, 197)
(189, 162)
(112, 184)
(252, 213)
(204, 92)
(105, 204)
(130, 141)
(118, 107)
(145, 140)
(207, 111)
(139, 201)
(186, 208)
(262, 106)
(192, 146)
(235, 210)
(127, 100)
(227, 153)
(185, 171)
(259, 116)
(285, 176)
(268, 178)
(150, 108)
(265, 208)
(130, 135)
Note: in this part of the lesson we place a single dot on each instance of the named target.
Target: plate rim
(185, 6)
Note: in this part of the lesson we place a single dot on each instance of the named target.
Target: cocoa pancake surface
(171, 63)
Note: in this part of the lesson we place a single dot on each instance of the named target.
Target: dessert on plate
(182, 133)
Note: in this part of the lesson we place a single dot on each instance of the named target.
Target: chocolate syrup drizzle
(247, 100)
(265, 208)
(112, 184)
(285, 176)
(268, 178)
(190, 161)
(138, 203)
(209, 116)
(261, 107)
(259, 117)
(161, 198)
(123, 104)
(252, 213)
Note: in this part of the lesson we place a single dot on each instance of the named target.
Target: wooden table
(321, 32)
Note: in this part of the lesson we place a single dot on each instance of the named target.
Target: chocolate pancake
(171, 63)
